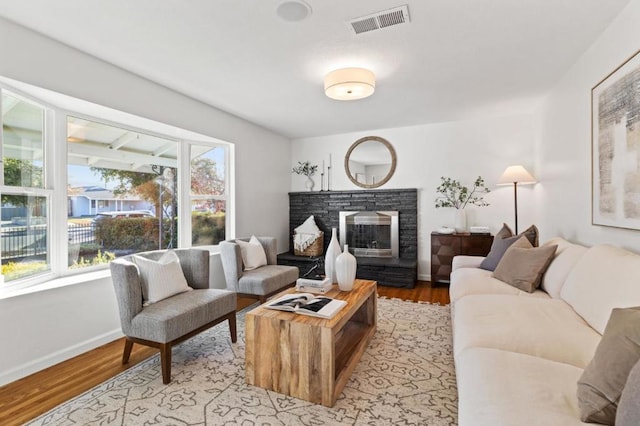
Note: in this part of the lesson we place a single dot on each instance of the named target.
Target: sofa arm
(466, 262)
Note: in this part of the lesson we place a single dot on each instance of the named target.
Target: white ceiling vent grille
(379, 20)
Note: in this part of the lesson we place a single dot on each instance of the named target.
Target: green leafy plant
(453, 194)
(305, 168)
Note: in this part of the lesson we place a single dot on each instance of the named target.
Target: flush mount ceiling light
(293, 11)
(348, 84)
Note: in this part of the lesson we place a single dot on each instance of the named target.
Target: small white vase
(460, 221)
(333, 251)
(346, 266)
(309, 184)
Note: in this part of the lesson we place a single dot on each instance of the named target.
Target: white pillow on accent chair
(252, 252)
(162, 278)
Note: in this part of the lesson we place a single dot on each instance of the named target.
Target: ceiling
(455, 60)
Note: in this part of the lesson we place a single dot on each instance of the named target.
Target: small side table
(445, 246)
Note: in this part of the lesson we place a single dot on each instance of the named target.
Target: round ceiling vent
(293, 11)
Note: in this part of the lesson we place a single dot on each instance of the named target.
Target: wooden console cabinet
(445, 246)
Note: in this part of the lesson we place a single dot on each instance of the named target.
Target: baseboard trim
(424, 277)
(57, 357)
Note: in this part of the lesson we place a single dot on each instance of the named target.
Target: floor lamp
(515, 175)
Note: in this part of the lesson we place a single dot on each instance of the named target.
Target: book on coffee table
(308, 304)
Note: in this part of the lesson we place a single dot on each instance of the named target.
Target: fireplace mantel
(325, 206)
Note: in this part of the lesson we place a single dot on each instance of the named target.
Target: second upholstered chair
(258, 282)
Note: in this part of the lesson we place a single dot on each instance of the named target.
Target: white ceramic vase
(309, 184)
(346, 266)
(460, 221)
(333, 251)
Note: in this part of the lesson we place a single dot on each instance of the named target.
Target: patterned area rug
(406, 377)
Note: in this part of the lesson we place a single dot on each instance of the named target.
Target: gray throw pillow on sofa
(602, 382)
(502, 241)
(628, 413)
(498, 248)
(522, 265)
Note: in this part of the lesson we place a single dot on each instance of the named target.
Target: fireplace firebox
(370, 233)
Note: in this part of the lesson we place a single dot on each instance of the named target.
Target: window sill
(54, 283)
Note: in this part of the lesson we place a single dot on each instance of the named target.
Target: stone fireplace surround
(325, 207)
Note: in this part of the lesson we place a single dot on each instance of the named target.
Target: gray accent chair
(173, 320)
(260, 283)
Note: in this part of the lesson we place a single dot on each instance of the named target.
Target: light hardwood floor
(31, 396)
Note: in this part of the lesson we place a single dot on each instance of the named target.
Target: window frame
(55, 152)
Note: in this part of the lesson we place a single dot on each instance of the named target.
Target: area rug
(405, 377)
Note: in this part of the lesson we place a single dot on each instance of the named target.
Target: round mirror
(370, 162)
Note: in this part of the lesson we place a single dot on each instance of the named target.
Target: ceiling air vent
(379, 20)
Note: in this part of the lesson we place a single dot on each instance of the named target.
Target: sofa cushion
(267, 279)
(601, 384)
(567, 254)
(469, 281)
(628, 413)
(605, 277)
(522, 265)
(545, 328)
(178, 315)
(501, 388)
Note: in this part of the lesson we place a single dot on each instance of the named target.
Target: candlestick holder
(321, 181)
(329, 178)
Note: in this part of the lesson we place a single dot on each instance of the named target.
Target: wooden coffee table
(306, 357)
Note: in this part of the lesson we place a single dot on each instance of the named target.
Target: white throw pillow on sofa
(252, 252)
(162, 278)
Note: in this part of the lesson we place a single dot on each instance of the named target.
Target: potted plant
(451, 193)
(306, 169)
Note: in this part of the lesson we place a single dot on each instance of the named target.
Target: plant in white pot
(306, 169)
(451, 193)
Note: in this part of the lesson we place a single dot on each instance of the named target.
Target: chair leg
(165, 361)
(128, 345)
(232, 328)
(262, 299)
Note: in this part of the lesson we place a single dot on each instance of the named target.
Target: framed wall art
(615, 147)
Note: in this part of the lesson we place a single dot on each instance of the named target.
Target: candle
(329, 160)
(322, 166)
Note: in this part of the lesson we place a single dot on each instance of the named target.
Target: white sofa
(519, 355)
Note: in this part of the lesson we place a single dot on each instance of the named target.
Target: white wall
(563, 145)
(460, 150)
(43, 328)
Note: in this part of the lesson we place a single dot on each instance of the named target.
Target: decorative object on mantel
(370, 162)
(615, 182)
(308, 239)
(333, 251)
(453, 194)
(515, 175)
(306, 169)
(328, 176)
(346, 266)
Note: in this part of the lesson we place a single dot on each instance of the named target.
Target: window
(107, 182)
(208, 195)
(132, 176)
(24, 203)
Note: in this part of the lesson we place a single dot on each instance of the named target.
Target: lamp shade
(347, 84)
(516, 174)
